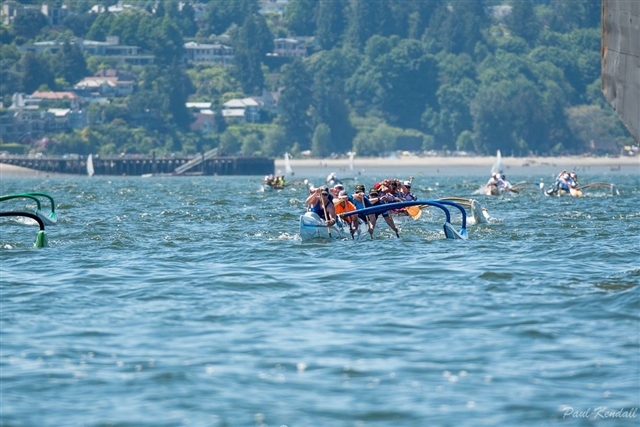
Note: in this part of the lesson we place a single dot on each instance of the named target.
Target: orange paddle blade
(414, 211)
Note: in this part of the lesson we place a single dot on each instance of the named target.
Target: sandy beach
(445, 165)
(444, 162)
(425, 165)
(7, 171)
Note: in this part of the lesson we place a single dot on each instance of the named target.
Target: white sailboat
(351, 156)
(287, 165)
(90, 170)
(497, 166)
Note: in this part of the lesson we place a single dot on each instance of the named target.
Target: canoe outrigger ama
(38, 216)
(313, 227)
(50, 219)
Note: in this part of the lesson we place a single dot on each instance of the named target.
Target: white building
(214, 53)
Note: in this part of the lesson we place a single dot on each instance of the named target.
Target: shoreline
(477, 161)
(456, 165)
(438, 164)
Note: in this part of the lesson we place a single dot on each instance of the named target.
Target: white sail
(287, 165)
(90, 170)
(351, 155)
(497, 166)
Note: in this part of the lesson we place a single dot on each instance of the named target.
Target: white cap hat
(407, 183)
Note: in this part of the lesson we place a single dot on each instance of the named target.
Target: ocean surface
(191, 301)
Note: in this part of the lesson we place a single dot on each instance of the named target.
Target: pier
(137, 165)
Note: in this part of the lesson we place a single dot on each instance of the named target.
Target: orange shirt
(348, 207)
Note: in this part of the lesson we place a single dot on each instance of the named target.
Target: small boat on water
(270, 185)
(90, 170)
(497, 185)
(287, 165)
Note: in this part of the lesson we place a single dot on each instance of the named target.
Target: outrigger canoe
(578, 191)
(313, 227)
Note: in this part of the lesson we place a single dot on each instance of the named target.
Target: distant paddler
(332, 179)
(566, 183)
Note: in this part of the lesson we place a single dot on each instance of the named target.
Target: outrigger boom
(449, 231)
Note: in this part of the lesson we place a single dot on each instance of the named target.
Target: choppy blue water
(193, 302)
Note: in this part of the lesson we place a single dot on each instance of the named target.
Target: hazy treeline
(521, 76)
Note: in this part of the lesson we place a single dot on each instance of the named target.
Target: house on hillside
(214, 53)
(55, 14)
(247, 109)
(272, 7)
(119, 7)
(69, 99)
(289, 47)
(106, 83)
(29, 118)
(111, 47)
(204, 117)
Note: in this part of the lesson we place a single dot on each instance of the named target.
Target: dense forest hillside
(318, 77)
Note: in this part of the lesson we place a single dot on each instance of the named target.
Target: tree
(10, 75)
(294, 104)
(166, 42)
(186, 21)
(34, 72)
(366, 19)
(507, 116)
(253, 42)
(522, 21)
(101, 26)
(567, 16)
(180, 87)
(29, 23)
(250, 145)
(80, 24)
(300, 17)
(70, 62)
(321, 141)
(407, 82)
(222, 14)
(329, 69)
(274, 141)
(455, 26)
(331, 22)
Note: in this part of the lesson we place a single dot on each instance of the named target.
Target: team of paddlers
(499, 181)
(276, 181)
(331, 203)
(565, 181)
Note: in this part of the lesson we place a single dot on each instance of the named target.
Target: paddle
(414, 211)
(326, 219)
